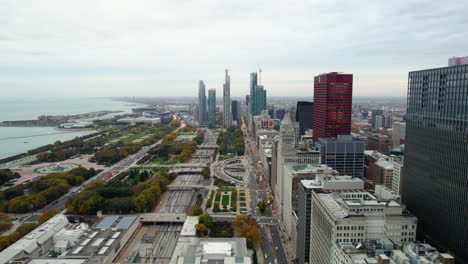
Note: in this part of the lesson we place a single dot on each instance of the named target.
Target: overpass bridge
(174, 187)
(154, 218)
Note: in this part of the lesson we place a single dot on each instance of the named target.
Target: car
(266, 255)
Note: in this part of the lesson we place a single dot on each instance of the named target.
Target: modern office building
(344, 154)
(355, 216)
(202, 114)
(257, 95)
(436, 156)
(235, 110)
(304, 115)
(212, 107)
(333, 96)
(227, 116)
(376, 122)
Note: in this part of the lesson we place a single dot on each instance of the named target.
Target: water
(16, 140)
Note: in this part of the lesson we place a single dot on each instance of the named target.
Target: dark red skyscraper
(333, 96)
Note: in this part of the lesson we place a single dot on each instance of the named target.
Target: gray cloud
(101, 47)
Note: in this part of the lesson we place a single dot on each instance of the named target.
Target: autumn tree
(47, 214)
(195, 211)
(202, 230)
(246, 226)
(5, 222)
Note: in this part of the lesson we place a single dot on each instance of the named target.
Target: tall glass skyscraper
(435, 182)
(333, 98)
(257, 96)
(202, 114)
(227, 116)
(212, 107)
(304, 115)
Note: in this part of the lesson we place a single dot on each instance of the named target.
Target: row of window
(350, 227)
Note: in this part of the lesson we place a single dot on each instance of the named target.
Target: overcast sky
(162, 48)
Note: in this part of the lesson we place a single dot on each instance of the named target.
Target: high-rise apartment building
(344, 154)
(227, 116)
(212, 107)
(257, 95)
(333, 96)
(304, 115)
(436, 155)
(202, 114)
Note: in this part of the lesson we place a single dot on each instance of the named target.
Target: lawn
(225, 200)
(158, 160)
(127, 138)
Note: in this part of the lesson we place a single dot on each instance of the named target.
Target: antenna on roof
(259, 76)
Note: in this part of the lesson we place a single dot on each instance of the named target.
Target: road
(260, 191)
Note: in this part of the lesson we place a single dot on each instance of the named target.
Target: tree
(206, 172)
(205, 219)
(246, 226)
(5, 222)
(261, 205)
(47, 214)
(195, 211)
(202, 230)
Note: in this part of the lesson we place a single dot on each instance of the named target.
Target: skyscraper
(227, 116)
(304, 115)
(375, 121)
(435, 178)
(333, 95)
(257, 96)
(202, 115)
(212, 107)
(235, 110)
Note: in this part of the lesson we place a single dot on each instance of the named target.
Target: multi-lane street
(272, 246)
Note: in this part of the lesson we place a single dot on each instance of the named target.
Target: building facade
(202, 114)
(257, 95)
(235, 110)
(355, 216)
(398, 133)
(376, 119)
(344, 154)
(227, 116)
(333, 95)
(379, 142)
(212, 107)
(304, 115)
(436, 150)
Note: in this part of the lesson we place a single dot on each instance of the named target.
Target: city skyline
(146, 50)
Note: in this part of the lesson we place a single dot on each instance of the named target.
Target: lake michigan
(16, 140)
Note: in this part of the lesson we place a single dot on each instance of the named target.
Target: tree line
(178, 151)
(231, 141)
(137, 192)
(27, 197)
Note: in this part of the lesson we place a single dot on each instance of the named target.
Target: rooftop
(191, 250)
